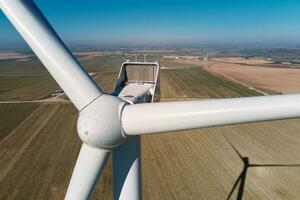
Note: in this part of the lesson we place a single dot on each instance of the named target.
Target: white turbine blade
(41, 37)
(140, 119)
(89, 165)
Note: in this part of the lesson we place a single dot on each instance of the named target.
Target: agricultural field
(21, 80)
(194, 82)
(271, 78)
(27, 87)
(39, 145)
(243, 60)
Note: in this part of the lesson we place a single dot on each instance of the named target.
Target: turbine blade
(46, 44)
(141, 119)
(89, 165)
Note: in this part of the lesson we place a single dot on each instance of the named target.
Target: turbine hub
(99, 123)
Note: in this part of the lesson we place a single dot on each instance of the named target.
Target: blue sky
(168, 22)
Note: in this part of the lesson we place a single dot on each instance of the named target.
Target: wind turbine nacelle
(102, 130)
(138, 82)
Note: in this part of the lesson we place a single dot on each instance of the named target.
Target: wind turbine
(112, 123)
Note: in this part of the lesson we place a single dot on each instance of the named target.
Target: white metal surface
(171, 116)
(40, 36)
(133, 91)
(157, 84)
(126, 157)
(122, 77)
(99, 123)
(89, 165)
(127, 170)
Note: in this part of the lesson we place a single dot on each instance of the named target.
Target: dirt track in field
(38, 154)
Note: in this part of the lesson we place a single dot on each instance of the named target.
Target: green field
(30, 81)
(39, 145)
(194, 82)
(21, 68)
(29, 87)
